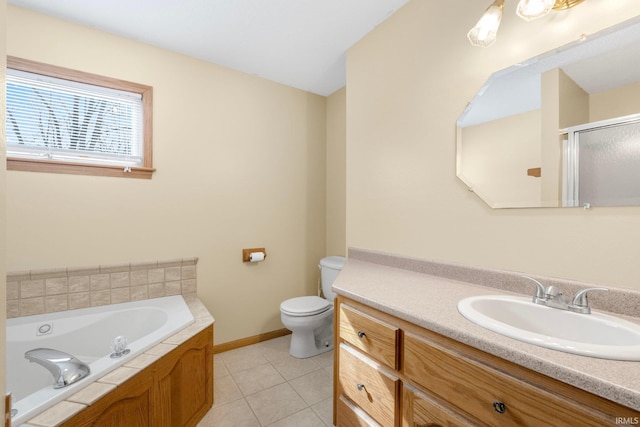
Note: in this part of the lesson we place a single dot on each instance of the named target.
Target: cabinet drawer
(378, 339)
(421, 410)
(350, 415)
(369, 386)
(487, 394)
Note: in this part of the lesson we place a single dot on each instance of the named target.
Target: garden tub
(86, 334)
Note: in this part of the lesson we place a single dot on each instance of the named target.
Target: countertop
(430, 301)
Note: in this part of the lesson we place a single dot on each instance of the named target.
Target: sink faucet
(552, 297)
(65, 368)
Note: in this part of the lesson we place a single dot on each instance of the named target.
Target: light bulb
(534, 9)
(485, 31)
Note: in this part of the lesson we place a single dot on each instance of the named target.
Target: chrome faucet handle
(580, 302)
(552, 291)
(540, 291)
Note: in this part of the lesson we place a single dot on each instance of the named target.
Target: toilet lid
(305, 306)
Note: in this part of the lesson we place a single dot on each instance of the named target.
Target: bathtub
(86, 334)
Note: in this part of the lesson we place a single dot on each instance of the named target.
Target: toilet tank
(329, 269)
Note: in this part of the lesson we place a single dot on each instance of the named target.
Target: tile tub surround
(427, 293)
(48, 291)
(66, 409)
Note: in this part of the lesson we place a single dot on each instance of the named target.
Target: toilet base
(306, 345)
(309, 342)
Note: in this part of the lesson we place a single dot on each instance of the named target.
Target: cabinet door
(130, 404)
(420, 410)
(185, 380)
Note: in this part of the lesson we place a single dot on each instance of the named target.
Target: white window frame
(142, 167)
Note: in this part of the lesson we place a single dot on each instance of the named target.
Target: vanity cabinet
(401, 375)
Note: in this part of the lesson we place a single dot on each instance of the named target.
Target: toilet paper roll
(256, 256)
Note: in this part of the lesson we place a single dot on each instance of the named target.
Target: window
(65, 121)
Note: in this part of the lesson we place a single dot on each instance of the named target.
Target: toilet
(310, 319)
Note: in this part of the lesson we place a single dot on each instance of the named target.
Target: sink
(594, 335)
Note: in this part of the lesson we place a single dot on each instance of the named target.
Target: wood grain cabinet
(378, 339)
(420, 410)
(369, 385)
(128, 405)
(414, 377)
(353, 416)
(175, 391)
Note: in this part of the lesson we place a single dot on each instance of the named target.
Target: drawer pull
(360, 387)
(499, 407)
(361, 335)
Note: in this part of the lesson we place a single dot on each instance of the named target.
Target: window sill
(78, 168)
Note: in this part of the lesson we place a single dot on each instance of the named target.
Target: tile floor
(263, 385)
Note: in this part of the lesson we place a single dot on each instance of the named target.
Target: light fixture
(566, 4)
(485, 31)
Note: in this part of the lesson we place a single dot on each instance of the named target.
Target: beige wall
(550, 143)
(240, 164)
(3, 163)
(574, 102)
(622, 101)
(408, 81)
(564, 104)
(336, 171)
(507, 147)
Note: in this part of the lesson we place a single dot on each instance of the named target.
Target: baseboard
(219, 348)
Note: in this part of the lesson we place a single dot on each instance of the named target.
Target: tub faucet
(65, 368)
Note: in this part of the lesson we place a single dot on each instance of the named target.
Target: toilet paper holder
(246, 253)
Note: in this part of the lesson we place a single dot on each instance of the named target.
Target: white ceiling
(299, 43)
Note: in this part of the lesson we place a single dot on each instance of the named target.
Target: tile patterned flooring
(263, 385)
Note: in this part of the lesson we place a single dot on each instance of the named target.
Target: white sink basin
(594, 335)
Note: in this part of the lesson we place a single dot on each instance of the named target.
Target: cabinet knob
(361, 335)
(360, 387)
(499, 407)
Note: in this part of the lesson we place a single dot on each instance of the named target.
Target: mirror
(559, 130)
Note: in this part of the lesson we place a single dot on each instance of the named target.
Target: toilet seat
(304, 306)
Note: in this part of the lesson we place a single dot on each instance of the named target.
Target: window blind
(51, 118)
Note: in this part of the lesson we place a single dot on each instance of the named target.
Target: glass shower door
(604, 167)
